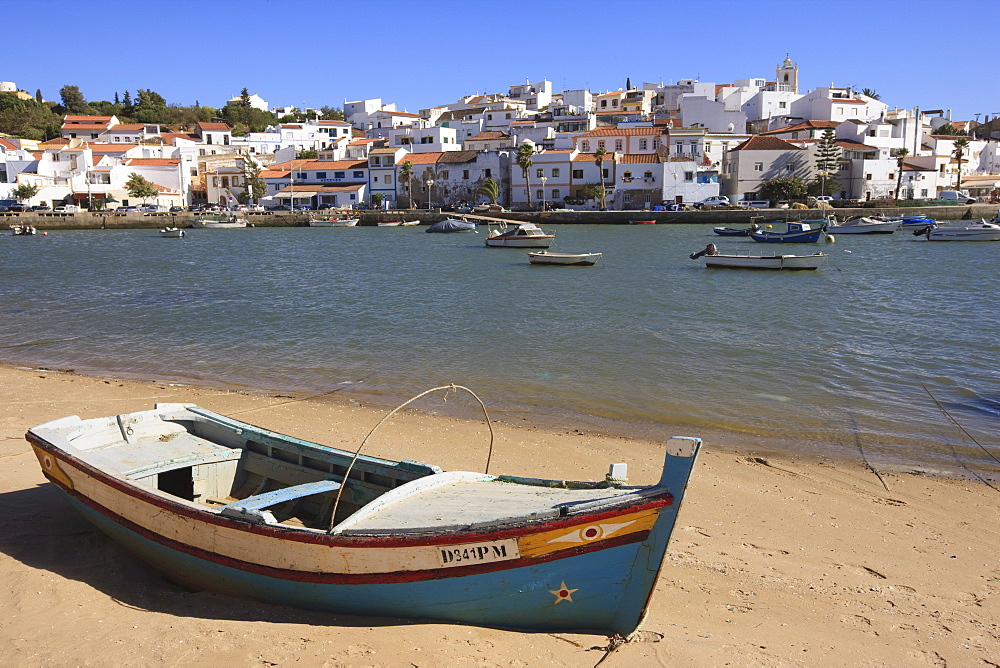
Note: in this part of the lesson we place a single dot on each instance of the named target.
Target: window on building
(789, 168)
(508, 115)
(444, 174)
(656, 144)
(577, 173)
(600, 143)
(605, 173)
(487, 173)
(585, 146)
(627, 176)
(555, 172)
(689, 176)
(539, 173)
(604, 103)
(555, 193)
(387, 179)
(758, 166)
(465, 173)
(782, 105)
(320, 175)
(642, 144)
(618, 144)
(892, 176)
(614, 103)
(540, 194)
(340, 175)
(647, 174)
(679, 148)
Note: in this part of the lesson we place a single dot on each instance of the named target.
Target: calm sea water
(879, 353)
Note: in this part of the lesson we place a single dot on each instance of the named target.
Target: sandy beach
(775, 561)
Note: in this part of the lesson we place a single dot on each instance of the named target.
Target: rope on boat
(343, 482)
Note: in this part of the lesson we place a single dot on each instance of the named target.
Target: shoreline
(776, 560)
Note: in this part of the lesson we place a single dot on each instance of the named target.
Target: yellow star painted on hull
(563, 593)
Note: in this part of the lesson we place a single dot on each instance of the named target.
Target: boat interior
(244, 472)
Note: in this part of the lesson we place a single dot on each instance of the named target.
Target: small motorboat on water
(452, 225)
(222, 505)
(519, 235)
(732, 231)
(713, 258)
(219, 221)
(913, 223)
(802, 231)
(334, 222)
(642, 222)
(398, 223)
(172, 233)
(23, 230)
(565, 259)
(981, 231)
(863, 225)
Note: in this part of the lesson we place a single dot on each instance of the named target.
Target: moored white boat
(548, 257)
(223, 505)
(23, 230)
(334, 222)
(519, 235)
(864, 225)
(172, 233)
(981, 231)
(713, 258)
(219, 221)
(399, 223)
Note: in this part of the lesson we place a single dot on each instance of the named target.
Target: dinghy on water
(220, 504)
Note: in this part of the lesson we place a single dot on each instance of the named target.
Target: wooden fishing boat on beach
(220, 504)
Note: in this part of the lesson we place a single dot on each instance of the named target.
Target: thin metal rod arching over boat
(395, 410)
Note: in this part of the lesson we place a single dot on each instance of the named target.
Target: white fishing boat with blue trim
(223, 505)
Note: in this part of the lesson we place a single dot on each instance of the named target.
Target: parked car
(176, 209)
(127, 209)
(959, 196)
(824, 198)
(15, 208)
(149, 208)
(40, 207)
(719, 200)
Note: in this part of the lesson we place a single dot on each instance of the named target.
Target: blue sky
(420, 53)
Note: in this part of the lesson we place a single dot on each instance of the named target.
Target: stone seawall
(87, 220)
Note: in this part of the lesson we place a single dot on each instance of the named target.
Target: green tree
(255, 187)
(595, 191)
(377, 200)
(961, 145)
(900, 157)
(245, 98)
(406, 175)
(599, 161)
(332, 114)
(24, 192)
(491, 189)
(524, 153)
(948, 130)
(73, 101)
(827, 165)
(38, 96)
(783, 187)
(138, 187)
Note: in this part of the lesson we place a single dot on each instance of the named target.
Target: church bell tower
(787, 76)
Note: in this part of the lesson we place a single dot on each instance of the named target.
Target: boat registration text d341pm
(478, 553)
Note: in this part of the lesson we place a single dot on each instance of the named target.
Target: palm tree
(599, 161)
(960, 146)
(900, 155)
(868, 92)
(491, 189)
(524, 153)
(406, 174)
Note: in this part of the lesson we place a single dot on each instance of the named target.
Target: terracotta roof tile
(639, 159)
(761, 143)
(87, 119)
(165, 162)
(130, 127)
(590, 157)
(421, 158)
(623, 132)
(489, 135)
(805, 125)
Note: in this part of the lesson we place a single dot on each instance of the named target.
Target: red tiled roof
(590, 157)
(7, 144)
(623, 132)
(130, 127)
(420, 158)
(805, 125)
(83, 126)
(761, 143)
(167, 162)
(111, 148)
(87, 119)
(214, 126)
(291, 126)
(319, 165)
(487, 135)
(639, 159)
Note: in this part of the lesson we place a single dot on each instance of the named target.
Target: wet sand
(774, 562)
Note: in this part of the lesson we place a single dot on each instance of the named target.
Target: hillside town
(637, 147)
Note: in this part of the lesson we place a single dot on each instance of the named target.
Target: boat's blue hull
(590, 592)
